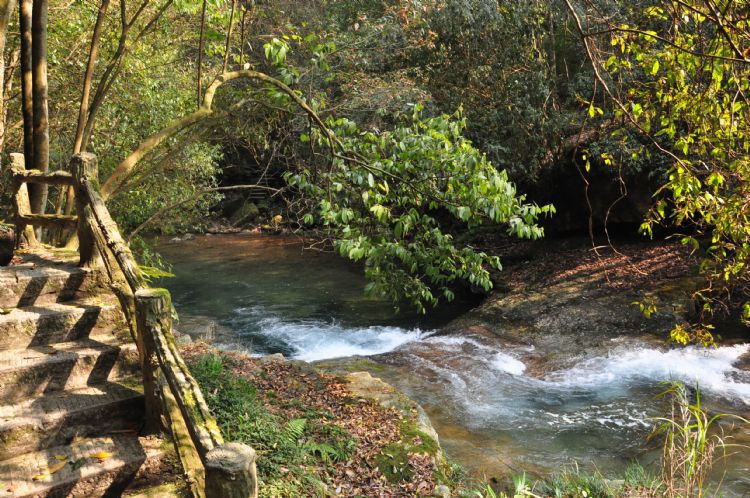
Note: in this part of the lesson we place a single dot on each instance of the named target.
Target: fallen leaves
(62, 461)
(101, 455)
(292, 390)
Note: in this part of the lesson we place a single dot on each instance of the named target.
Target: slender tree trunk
(6, 8)
(10, 70)
(229, 39)
(93, 52)
(242, 37)
(115, 64)
(83, 109)
(127, 165)
(27, 85)
(41, 117)
(200, 54)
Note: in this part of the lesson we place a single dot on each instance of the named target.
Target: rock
(182, 339)
(175, 240)
(442, 491)
(7, 244)
(188, 236)
(272, 358)
(365, 385)
(247, 213)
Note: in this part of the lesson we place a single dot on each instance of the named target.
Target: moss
(134, 382)
(411, 433)
(393, 460)
(393, 463)
(161, 490)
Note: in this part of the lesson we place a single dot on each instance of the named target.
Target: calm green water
(266, 295)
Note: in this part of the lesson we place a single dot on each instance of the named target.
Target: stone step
(57, 419)
(40, 281)
(70, 365)
(52, 323)
(84, 474)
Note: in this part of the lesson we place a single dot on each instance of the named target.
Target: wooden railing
(173, 400)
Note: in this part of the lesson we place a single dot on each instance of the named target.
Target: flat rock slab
(52, 323)
(58, 418)
(70, 365)
(39, 280)
(93, 467)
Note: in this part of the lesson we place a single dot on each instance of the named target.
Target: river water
(266, 295)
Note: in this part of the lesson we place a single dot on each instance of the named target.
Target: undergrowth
(573, 482)
(291, 452)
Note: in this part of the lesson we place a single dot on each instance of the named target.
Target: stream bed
(495, 413)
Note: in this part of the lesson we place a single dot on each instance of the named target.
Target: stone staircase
(71, 402)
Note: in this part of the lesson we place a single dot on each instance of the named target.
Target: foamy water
(313, 340)
(492, 408)
(490, 384)
(712, 369)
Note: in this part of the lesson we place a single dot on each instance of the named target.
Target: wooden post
(153, 313)
(25, 236)
(85, 169)
(230, 472)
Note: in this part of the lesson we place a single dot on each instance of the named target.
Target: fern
(326, 452)
(294, 430)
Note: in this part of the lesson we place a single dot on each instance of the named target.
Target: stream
(494, 413)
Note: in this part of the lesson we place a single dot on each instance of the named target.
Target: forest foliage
(380, 161)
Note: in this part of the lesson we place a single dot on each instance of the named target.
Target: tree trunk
(93, 51)
(41, 123)
(200, 54)
(229, 39)
(83, 109)
(6, 8)
(121, 173)
(27, 82)
(114, 66)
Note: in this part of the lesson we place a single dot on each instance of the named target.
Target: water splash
(314, 340)
(712, 369)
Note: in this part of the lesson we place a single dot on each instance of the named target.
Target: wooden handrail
(35, 176)
(47, 220)
(114, 241)
(229, 468)
(24, 218)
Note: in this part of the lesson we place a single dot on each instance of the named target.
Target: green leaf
(655, 67)
(464, 213)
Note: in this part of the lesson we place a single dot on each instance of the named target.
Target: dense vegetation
(402, 134)
(396, 129)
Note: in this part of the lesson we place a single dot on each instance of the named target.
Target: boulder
(7, 244)
(246, 213)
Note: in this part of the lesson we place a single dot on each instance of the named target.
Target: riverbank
(351, 434)
(319, 434)
(556, 368)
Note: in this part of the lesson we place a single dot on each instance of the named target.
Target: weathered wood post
(25, 236)
(230, 472)
(85, 170)
(153, 313)
(229, 468)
